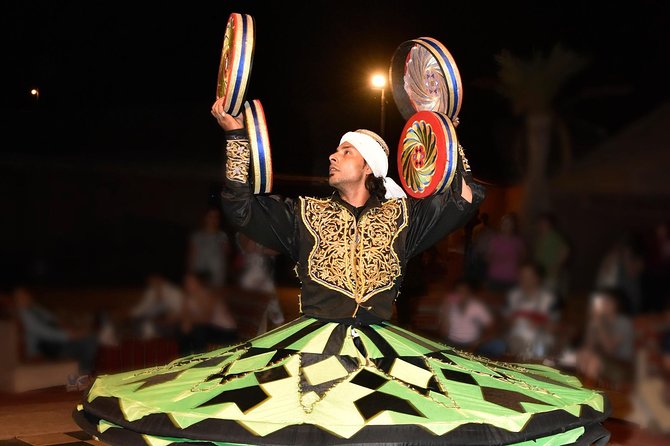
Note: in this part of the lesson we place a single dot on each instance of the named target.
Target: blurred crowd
(195, 313)
(514, 302)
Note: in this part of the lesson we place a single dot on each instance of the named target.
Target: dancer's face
(347, 167)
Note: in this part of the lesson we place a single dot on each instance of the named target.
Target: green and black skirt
(314, 382)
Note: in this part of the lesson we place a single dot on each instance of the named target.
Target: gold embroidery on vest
(356, 260)
(237, 160)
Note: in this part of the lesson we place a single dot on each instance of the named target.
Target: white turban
(375, 152)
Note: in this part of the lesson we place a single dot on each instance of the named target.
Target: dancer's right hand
(226, 121)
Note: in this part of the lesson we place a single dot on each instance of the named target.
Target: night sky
(127, 87)
(135, 81)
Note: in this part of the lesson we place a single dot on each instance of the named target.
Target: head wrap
(375, 152)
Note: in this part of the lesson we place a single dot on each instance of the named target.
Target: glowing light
(378, 81)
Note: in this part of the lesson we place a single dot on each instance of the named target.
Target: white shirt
(156, 301)
(466, 324)
(528, 311)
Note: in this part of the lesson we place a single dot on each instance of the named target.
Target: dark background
(104, 176)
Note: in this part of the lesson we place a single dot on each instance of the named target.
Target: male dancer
(341, 374)
(352, 247)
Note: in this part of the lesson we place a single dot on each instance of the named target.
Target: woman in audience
(504, 255)
(206, 318)
(531, 315)
(608, 348)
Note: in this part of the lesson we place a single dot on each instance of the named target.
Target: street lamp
(379, 81)
(36, 93)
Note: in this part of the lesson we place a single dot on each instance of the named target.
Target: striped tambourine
(427, 154)
(236, 58)
(424, 76)
(259, 142)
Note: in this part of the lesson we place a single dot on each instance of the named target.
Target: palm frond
(532, 83)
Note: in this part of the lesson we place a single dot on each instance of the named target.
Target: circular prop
(236, 58)
(424, 76)
(427, 154)
(259, 142)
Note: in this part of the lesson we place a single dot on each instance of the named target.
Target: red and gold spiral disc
(427, 154)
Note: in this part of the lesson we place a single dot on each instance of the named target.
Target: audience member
(504, 255)
(665, 356)
(206, 318)
(209, 249)
(6, 306)
(44, 335)
(551, 252)
(651, 392)
(159, 311)
(607, 352)
(258, 275)
(530, 312)
(476, 262)
(622, 268)
(466, 322)
(656, 287)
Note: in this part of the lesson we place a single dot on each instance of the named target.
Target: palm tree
(532, 85)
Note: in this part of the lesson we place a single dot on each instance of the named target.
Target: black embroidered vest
(348, 265)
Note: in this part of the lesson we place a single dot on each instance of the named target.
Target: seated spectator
(665, 357)
(657, 262)
(650, 395)
(5, 306)
(159, 311)
(476, 262)
(209, 249)
(530, 314)
(607, 353)
(44, 335)
(205, 319)
(551, 251)
(258, 275)
(621, 268)
(465, 321)
(504, 254)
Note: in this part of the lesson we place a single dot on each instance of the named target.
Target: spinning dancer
(341, 374)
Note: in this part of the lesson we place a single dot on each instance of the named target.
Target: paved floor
(39, 412)
(77, 438)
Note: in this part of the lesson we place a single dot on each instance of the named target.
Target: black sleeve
(433, 217)
(265, 220)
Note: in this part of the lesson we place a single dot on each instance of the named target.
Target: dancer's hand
(226, 121)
